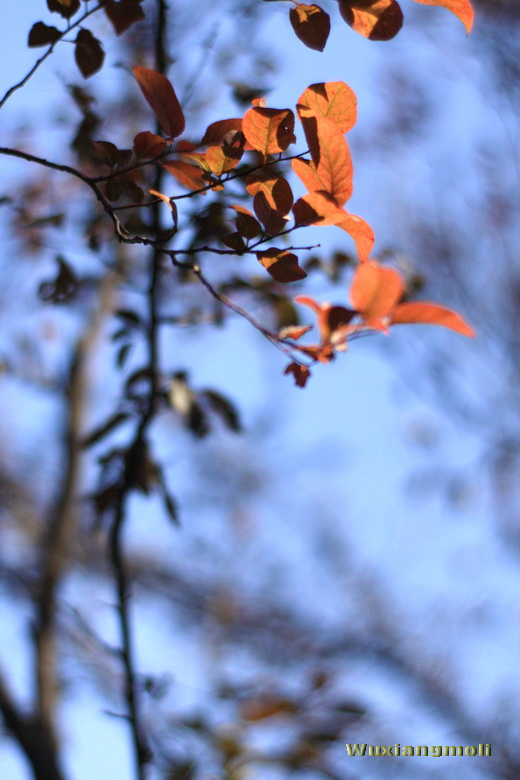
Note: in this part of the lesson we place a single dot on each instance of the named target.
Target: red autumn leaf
(361, 232)
(190, 176)
(331, 169)
(378, 20)
(42, 35)
(161, 97)
(223, 158)
(375, 292)
(269, 130)
(123, 14)
(274, 221)
(281, 265)
(276, 189)
(300, 373)
(461, 8)
(147, 145)
(333, 100)
(430, 314)
(88, 53)
(311, 25)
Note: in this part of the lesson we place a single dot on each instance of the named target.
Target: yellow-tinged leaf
(333, 100)
(311, 25)
(430, 314)
(461, 8)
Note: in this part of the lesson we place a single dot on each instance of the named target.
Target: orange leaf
(281, 265)
(375, 291)
(161, 97)
(331, 170)
(311, 25)
(222, 158)
(461, 8)
(317, 208)
(333, 100)
(378, 20)
(430, 314)
(276, 189)
(269, 130)
(188, 175)
(169, 202)
(361, 232)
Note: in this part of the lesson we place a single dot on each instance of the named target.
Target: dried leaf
(430, 314)
(88, 53)
(300, 373)
(311, 25)
(461, 8)
(333, 100)
(161, 97)
(42, 35)
(281, 265)
(378, 20)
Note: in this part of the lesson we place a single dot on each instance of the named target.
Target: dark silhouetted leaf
(281, 265)
(88, 53)
(378, 20)
(66, 8)
(42, 35)
(224, 408)
(311, 25)
(123, 14)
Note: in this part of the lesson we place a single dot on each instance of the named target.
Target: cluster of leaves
(378, 20)
(326, 112)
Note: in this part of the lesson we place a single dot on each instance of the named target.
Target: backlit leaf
(333, 100)
(378, 20)
(276, 189)
(147, 145)
(317, 208)
(88, 53)
(269, 130)
(161, 97)
(222, 158)
(281, 265)
(331, 169)
(361, 232)
(217, 132)
(375, 291)
(430, 314)
(273, 220)
(461, 8)
(311, 25)
(189, 176)
(247, 225)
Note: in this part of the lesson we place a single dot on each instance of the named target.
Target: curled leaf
(461, 8)
(300, 373)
